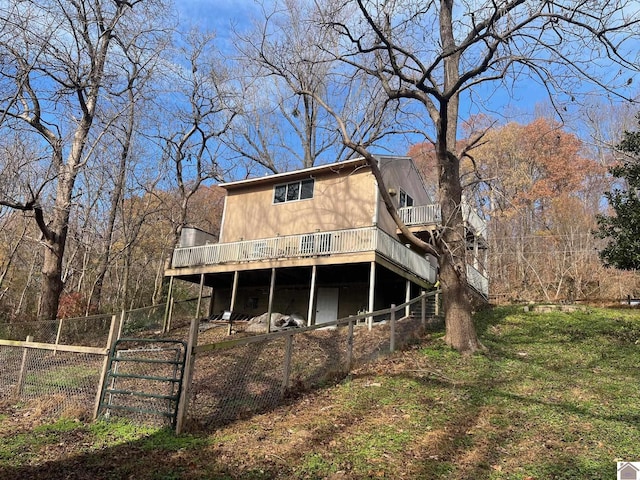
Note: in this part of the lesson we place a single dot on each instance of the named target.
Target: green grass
(552, 396)
(73, 376)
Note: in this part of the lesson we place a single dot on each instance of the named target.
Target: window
(290, 192)
(405, 199)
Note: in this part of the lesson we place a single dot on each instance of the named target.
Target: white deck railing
(306, 245)
(477, 280)
(432, 215)
(472, 219)
(421, 215)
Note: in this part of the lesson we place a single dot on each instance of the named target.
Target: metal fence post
(187, 376)
(392, 333)
(23, 368)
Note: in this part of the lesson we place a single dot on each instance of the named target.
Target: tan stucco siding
(340, 200)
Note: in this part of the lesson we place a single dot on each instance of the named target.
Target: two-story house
(319, 242)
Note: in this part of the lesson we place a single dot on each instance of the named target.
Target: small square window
(405, 200)
(280, 194)
(293, 191)
(306, 190)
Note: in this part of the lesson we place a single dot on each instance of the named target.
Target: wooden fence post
(350, 347)
(423, 308)
(114, 333)
(392, 332)
(58, 335)
(187, 376)
(437, 304)
(23, 368)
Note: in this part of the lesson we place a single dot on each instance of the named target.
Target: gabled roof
(304, 173)
(286, 176)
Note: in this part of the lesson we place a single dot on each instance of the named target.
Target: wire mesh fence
(236, 378)
(65, 381)
(233, 376)
(87, 331)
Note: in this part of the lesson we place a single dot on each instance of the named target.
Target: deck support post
(234, 290)
(372, 289)
(200, 295)
(211, 303)
(407, 297)
(165, 320)
(312, 295)
(271, 290)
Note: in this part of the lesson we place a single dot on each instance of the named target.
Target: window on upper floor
(292, 191)
(405, 200)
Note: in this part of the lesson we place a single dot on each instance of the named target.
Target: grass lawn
(553, 396)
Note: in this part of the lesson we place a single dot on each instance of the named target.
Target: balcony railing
(306, 245)
(478, 281)
(421, 215)
(431, 215)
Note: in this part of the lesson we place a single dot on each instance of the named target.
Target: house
(319, 242)
(628, 470)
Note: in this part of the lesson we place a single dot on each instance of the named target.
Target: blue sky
(217, 15)
(519, 105)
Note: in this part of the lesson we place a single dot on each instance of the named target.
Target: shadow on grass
(157, 456)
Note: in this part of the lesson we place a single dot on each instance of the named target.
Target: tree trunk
(52, 285)
(460, 331)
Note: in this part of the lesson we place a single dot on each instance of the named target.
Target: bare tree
(279, 127)
(56, 65)
(431, 56)
(195, 116)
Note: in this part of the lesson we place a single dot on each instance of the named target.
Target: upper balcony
(331, 243)
(430, 216)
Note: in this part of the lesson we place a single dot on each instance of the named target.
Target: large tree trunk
(55, 240)
(52, 285)
(460, 331)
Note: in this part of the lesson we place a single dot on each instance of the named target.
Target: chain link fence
(233, 377)
(237, 378)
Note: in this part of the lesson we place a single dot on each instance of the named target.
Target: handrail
(477, 280)
(355, 240)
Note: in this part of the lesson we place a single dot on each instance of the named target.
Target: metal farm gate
(144, 380)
